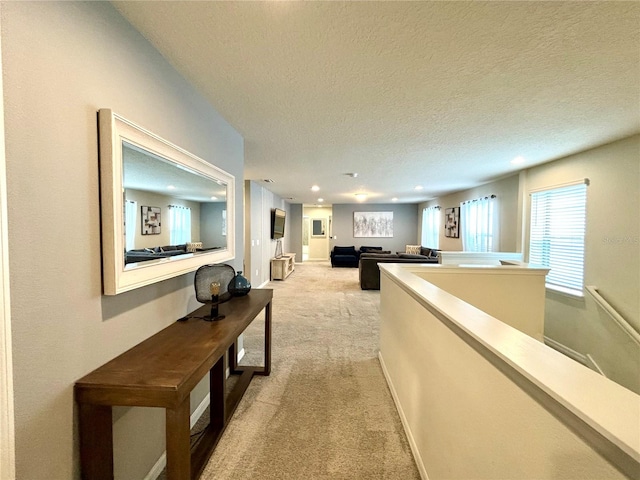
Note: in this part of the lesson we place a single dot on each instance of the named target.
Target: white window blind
(179, 224)
(130, 212)
(431, 227)
(558, 221)
(477, 219)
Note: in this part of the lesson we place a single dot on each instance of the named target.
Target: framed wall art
(452, 222)
(151, 224)
(373, 224)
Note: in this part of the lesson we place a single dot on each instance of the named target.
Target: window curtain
(179, 224)
(477, 220)
(130, 212)
(431, 227)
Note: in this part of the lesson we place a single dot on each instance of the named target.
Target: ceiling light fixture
(214, 198)
(171, 187)
(418, 187)
(518, 160)
(394, 199)
(361, 197)
(315, 188)
(352, 175)
(321, 200)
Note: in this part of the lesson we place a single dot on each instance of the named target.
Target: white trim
(7, 427)
(405, 424)
(586, 360)
(583, 181)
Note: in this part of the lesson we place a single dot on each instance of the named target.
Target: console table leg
(96, 441)
(217, 395)
(267, 339)
(178, 444)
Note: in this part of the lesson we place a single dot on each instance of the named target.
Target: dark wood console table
(161, 372)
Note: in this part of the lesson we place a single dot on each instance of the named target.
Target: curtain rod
(481, 198)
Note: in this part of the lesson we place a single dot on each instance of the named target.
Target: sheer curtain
(179, 224)
(431, 227)
(477, 220)
(130, 212)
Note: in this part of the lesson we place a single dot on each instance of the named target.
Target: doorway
(316, 232)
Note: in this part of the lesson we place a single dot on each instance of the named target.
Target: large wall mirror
(165, 212)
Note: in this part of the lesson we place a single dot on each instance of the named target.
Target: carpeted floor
(326, 411)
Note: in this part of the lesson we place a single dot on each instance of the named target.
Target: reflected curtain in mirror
(179, 224)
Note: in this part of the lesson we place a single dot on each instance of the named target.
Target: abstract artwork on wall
(452, 222)
(151, 224)
(373, 224)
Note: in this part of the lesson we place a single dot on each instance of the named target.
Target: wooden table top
(163, 369)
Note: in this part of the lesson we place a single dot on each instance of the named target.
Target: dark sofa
(370, 273)
(146, 254)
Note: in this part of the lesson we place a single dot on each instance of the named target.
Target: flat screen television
(277, 223)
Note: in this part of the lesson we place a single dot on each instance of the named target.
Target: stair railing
(606, 306)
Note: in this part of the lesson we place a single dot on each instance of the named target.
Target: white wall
(468, 389)
(62, 62)
(259, 247)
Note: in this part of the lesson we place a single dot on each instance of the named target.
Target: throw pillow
(425, 251)
(413, 249)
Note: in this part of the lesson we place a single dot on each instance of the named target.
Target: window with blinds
(558, 221)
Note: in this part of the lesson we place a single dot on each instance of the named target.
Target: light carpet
(325, 412)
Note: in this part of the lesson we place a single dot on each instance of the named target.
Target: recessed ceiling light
(321, 199)
(394, 199)
(518, 160)
(171, 187)
(214, 198)
(315, 188)
(418, 187)
(352, 175)
(361, 196)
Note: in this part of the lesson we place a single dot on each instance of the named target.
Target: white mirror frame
(116, 278)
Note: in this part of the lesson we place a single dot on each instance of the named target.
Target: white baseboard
(405, 424)
(586, 360)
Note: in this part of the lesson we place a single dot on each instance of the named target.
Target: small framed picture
(151, 224)
(452, 222)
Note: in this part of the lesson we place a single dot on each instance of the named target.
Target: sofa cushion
(379, 254)
(413, 256)
(370, 249)
(344, 250)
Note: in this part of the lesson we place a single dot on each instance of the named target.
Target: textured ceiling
(438, 94)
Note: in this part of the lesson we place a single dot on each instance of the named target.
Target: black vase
(239, 285)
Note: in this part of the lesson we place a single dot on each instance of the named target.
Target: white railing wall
(479, 399)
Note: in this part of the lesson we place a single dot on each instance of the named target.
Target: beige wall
(506, 191)
(162, 201)
(612, 253)
(612, 256)
(62, 62)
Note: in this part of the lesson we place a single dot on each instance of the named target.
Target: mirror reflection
(169, 209)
